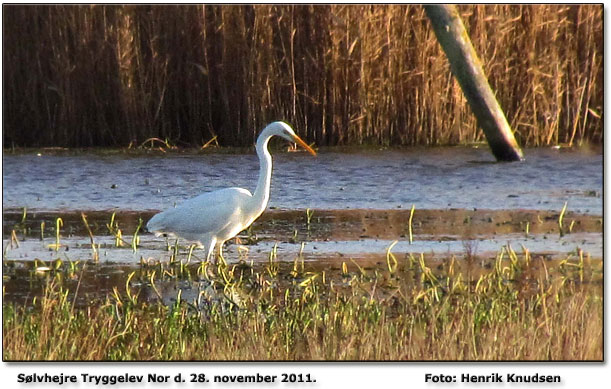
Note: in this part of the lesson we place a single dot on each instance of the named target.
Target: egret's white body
(211, 218)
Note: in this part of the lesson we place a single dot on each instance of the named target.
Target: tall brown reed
(108, 75)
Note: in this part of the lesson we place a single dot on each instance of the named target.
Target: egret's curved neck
(261, 195)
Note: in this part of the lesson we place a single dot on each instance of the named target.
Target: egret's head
(285, 131)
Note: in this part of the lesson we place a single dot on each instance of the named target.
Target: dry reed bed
(108, 75)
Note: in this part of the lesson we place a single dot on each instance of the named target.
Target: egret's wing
(207, 213)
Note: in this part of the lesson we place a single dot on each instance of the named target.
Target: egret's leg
(221, 253)
(210, 245)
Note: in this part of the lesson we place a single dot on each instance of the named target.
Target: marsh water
(348, 206)
(438, 178)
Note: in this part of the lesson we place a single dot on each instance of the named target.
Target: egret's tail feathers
(161, 225)
(155, 225)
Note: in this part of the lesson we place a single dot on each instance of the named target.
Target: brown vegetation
(520, 308)
(108, 75)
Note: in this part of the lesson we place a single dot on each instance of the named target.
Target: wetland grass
(59, 223)
(94, 250)
(518, 308)
(409, 223)
(561, 220)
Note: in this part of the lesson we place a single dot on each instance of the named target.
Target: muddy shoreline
(335, 224)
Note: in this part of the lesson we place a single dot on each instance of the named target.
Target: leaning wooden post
(468, 70)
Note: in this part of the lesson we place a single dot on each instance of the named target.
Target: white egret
(211, 218)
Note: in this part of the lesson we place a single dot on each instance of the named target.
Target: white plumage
(211, 218)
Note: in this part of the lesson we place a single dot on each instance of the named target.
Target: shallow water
(329, 234)
(434, 178)
(79, 248)
(34, 266)
(462, 200)
(466, 206)
(460, 196)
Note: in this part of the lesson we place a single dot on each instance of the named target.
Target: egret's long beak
(303, 144)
